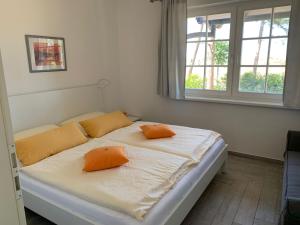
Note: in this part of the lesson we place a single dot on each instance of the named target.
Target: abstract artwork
(46, 54)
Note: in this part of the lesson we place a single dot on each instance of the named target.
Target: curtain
(291, 96)
(172, 52)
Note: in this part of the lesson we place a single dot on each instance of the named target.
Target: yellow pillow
(33, 131)
(101, 125)
(155, 131)
(104, 158)
(82, 117)
(35, 148)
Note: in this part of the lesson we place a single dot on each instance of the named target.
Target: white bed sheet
(133, 188)
(188, 142)
(101, 215)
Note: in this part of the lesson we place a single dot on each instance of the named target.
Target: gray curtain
(291, 96)
(171, 78)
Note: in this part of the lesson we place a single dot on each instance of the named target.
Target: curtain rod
(155, 0)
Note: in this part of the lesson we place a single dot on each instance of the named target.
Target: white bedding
(99, 214)
(133, 188)
(188, 142)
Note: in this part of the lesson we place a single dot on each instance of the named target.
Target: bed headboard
(53, 106)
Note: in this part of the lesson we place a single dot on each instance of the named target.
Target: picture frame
(46, 53)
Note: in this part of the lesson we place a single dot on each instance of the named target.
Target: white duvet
(188, 142)
(133, 188)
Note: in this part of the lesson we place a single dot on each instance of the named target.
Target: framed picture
(46, 54)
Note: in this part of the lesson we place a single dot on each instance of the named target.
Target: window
(207, 52)
(238, 52)
(264, 46)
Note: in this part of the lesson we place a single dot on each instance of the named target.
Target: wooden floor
(247, 194)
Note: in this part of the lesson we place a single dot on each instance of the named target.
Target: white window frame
(206, 11)
(232, 93)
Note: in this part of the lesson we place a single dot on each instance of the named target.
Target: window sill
(237, 102)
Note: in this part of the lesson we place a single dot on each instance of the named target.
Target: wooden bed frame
(62, 216)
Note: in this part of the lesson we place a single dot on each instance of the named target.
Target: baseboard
(256, 157)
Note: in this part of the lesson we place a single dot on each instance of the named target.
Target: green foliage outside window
(256, 83)
(194, 81)
(249, 83)
(221, 84)
(275, 83)
(221, 52)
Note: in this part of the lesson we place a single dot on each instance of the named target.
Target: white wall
(251, 130)
(108, 51)
(78, 21)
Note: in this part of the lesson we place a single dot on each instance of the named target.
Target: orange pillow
(104, 158)
(157, 131)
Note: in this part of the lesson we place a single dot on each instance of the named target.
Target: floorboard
(247, 194)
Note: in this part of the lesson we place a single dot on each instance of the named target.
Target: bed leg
(223, 169)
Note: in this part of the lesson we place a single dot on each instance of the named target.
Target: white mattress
(101, 215)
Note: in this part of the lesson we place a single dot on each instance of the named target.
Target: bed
(62, 207)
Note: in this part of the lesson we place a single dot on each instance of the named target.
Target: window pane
(255, 52)
(216, 78)
(208, 35)
(196, 28)
(219, 26)
(281, 21)
(257, 23)
(278, 51)
(195, 53)
(217, 53)
(275, 80)
(252, 79)
(194, 77)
